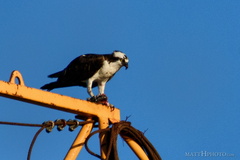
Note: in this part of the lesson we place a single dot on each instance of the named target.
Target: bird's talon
(101, 99)
(92, 99)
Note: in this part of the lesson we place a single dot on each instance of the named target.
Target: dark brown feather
(78, 71)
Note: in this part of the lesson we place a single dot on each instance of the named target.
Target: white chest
(107, 71)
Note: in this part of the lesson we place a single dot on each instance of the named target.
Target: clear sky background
(182, 86)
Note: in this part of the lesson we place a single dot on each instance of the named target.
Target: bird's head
(121, 57)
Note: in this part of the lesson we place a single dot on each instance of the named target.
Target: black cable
(46, 125)
(89, 136)
(33, 141)
(125, 130)
(21, 124)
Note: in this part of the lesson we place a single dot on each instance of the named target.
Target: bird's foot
(101, 99)
(92, 99)
(98, 98)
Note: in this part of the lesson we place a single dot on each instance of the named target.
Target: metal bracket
(16, 75)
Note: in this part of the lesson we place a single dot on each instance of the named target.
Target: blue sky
(182, 85)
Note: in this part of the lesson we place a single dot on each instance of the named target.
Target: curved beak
(126, 65)
(125, 62)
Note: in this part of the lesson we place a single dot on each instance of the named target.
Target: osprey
(89, 70)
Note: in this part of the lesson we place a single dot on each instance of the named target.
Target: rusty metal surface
(55, 101)
(85, 110)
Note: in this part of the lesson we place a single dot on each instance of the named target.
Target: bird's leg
(89, 88)
(102, 98)
(101, 88)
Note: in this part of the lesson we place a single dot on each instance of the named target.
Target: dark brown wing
(79, 70)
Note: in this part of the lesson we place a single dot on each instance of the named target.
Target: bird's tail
(55, 75)
(51, 86)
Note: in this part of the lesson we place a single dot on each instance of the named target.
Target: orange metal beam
(135, 148)
(86, 109)
(55, 101)
(79, 141)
